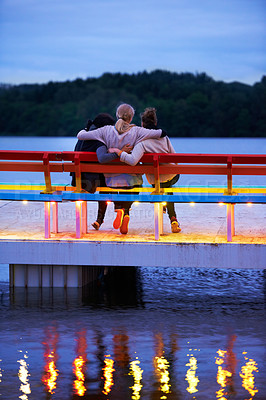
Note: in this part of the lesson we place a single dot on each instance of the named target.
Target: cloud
(86, 38)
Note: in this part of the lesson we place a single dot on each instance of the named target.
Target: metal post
(84, 216)
(157, 221)
(230, 222)
(161, 218)
(55, 216)
(78, 219)
(47, 231)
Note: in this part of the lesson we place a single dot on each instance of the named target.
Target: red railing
(69, 161)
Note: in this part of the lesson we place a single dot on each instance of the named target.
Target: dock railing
(49, 162)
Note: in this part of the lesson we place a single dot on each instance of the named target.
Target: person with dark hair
(90, 181)
(123, 133)
(161, 145)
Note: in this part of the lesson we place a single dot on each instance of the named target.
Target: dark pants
(170, 206)
(125, 204)
(90, 182)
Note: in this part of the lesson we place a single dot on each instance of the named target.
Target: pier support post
(158, 220)
(47, 229)
(50, 276)
(55, 216)
(78, 219)
(84, 216)
(230, 222)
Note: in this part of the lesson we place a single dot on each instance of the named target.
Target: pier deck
(201, 243)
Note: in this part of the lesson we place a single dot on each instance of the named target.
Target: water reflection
(108, 372)
(191, 377)
(51, 372)
(226, 370)
(99, 344)
(119, 286)
(248, 379)
(79, 364)
(136, 372)
(23, 375)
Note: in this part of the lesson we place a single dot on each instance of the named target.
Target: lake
(138, 333)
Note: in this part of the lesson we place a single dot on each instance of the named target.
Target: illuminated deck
(201, 243)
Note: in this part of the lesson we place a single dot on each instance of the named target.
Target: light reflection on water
(141, 334)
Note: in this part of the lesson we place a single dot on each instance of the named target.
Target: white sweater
(111, 138)
(162, 145)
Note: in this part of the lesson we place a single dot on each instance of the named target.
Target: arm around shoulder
(96, 134)
(144, 133)
(135, 156)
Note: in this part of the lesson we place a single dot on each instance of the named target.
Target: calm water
(141, 333)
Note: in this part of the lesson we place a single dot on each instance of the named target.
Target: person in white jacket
(123, 133)
(160, 145)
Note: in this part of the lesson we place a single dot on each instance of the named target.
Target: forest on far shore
(188, 105)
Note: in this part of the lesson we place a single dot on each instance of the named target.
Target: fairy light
(136, 203)
(192, 203)
(25, 202)
(108, 202)
(220, 204)
(249, 204)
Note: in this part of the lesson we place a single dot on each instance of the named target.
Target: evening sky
(58, 40)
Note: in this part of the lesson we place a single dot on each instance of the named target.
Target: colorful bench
(78, 162)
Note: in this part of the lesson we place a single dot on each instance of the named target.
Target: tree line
(188, 105)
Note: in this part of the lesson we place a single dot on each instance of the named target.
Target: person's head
(149, 117)
(100, 120)
(103, 119)
(125, 112)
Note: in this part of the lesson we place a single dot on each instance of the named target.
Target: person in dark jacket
(90, 181)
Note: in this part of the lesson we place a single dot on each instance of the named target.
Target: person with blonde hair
(123, 133)
(159, 145)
